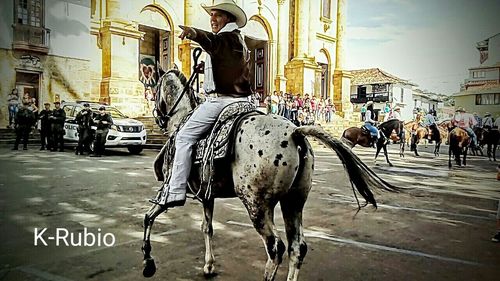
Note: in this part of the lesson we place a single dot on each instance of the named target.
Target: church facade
(110, 50)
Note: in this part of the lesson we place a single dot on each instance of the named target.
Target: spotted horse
(271, 162)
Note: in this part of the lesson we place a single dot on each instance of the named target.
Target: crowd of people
(304, 110)
(24, 116)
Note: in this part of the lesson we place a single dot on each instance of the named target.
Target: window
(402, 96)
(488, 99)
(325, 8)
(478, 74)
(29, 12)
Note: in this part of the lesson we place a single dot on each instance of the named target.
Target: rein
(161, 118)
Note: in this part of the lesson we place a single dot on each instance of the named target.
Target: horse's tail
(359, 174)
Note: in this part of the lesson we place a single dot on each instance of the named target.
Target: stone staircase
(155, 139)
(8, 137)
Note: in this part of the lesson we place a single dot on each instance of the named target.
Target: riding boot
(374, 141)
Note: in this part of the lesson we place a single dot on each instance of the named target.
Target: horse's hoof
(149, 267)
(209, 271)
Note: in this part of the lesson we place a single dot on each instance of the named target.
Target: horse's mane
(179, 75)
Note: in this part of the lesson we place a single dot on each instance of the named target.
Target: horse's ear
(160, 69)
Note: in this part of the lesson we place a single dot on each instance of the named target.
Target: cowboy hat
(369, 103)
(487, 114)
(228, 6)
(461, 109)
(397, 108)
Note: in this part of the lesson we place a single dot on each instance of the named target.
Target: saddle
(217, 144)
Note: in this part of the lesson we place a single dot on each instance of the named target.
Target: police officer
(45, 134)
(84, 120)
(24, 119)
(57, 127)
(103, 122)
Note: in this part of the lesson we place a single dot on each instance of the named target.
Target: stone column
(186, 47)
(119, 40)
(341, 78)
(282, 47)
(301, 34)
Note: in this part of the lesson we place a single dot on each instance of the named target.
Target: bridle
(161, 118)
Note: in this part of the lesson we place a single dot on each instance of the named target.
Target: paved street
(439, 229)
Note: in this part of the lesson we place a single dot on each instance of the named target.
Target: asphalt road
(439, 229)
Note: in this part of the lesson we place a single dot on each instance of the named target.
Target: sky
(429, 42)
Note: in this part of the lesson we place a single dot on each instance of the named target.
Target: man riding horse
(227, 80)
(465, 121)
(370, 123)
(430, 123)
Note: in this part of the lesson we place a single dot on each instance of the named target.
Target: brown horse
(356, 136)
(422, 133)
(459, 144)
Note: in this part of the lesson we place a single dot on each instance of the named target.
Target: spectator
(274, 103)
(363, 111)
(328, 111)
(13, 105)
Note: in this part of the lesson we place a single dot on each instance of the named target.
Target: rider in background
(370, 123)
(487, 121)
(430, 122)
(479, 121)
(465, 121)
(396, 113)
(227, 80)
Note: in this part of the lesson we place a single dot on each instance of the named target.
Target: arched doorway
(323, 60)
(257, 39)
(156, 47)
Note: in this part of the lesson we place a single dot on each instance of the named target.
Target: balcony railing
(31, 38)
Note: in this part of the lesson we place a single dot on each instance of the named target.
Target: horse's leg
(386, 155)
(262, 215)
(450, 149)
(488, 150)
(495, 152)
(379, 147)
(297, 247)
(465, 156)
(208, 232)
(149, 263)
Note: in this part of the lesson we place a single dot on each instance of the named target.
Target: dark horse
(354, 135)
(490, 138)
(272, 163)
(459, 144)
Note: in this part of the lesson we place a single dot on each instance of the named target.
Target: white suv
(125, 132)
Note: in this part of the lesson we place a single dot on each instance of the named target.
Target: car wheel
(135, 149)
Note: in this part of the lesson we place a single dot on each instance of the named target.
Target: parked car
(125, 132)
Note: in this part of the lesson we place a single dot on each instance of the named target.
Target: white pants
(199, 123)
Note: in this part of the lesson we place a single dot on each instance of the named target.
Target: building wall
(63, 72)
(493, 51)
(469, 103)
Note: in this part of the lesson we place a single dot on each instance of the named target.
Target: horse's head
(174, 100)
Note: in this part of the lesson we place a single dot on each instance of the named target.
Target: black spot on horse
(284, 144)
(239, 140)
(252, 119)
(276, 162)
(255, 166)
(312, 167)
(286, 134)
(260, 153)
(249, 187)
(284, 164)
(279, 156)
(267, 132)
(251, 146)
